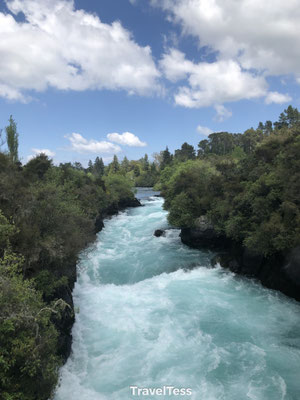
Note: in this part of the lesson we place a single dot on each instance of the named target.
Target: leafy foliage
(247, 184)
(12, 140)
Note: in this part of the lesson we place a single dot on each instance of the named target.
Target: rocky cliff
(280, 271)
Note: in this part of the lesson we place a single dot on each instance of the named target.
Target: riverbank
(280, 271)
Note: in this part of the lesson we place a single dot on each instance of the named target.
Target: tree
(145, 163)
(114, 166)
(77, 165)
(98, 167)
(203, 147)
(166, 158)
(288, 118)
(221, 143)
(38, 166)
(187, 152)
(90, 166)
(125, 164)
(12, 139)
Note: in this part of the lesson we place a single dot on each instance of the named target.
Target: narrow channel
(152, 312)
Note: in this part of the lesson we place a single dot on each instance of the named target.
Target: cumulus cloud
(277, 98)
(82, 145)
(215, 83)
(204, 130)
(126, 138)
(261, 34)
(210, 83)
(36, 152)
(249, 41)
(58, 46)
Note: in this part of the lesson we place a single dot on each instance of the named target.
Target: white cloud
(222, 113)
(260, 34)
(58, 46)
(126, 138)
(215, 83)
(249, 40)
(278, 98)
(82, 145)
(203, 130)
(211, 83)
(175, 66)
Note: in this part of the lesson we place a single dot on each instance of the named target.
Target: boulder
(159, 232)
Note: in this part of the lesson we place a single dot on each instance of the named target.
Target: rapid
(153, 312)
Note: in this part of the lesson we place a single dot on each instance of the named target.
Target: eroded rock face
(292, 268)
(203, 234)
(65, 323)
(280, 271)
(277, 272)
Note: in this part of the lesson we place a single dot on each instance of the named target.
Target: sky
(90, 78)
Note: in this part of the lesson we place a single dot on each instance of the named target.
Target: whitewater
(152, 312)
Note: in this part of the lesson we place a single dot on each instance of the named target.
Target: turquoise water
(152, 313)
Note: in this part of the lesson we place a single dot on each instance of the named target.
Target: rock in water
(159, 232)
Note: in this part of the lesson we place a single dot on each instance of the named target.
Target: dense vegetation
(47, 215)
(246, 184)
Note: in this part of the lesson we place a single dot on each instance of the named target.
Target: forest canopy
(247, 184)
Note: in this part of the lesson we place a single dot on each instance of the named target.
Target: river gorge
(152, 312)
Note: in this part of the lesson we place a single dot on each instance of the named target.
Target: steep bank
(279, 271)
(65, 323)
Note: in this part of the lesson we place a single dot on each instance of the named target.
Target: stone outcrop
(280, 271)
(159, 232)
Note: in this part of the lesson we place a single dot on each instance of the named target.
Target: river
(151, 312)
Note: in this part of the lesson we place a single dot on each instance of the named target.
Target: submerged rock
(159, 232)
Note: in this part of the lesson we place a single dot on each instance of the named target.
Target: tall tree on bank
(167, 158)
(98, 167)
(114, 166)
(12, 139)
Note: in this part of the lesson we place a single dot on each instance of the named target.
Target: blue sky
(93, 78)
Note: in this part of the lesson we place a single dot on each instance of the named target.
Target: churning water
(152, 313)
